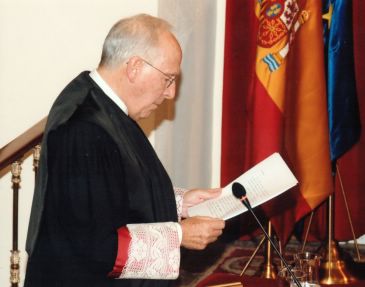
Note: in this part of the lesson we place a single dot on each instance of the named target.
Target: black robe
(98, 172)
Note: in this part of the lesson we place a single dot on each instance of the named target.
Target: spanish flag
(287, 108)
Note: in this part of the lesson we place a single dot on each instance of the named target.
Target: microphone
(240, 192)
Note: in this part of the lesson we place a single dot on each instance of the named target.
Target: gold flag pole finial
(328, 15)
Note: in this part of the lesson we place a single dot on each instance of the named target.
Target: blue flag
(343, 109)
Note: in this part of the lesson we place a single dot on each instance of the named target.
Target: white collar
(108, 91)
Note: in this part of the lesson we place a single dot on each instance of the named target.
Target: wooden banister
(11, 155)
(22, 144)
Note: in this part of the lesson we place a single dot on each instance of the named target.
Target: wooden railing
(22, 144)
(11, 155)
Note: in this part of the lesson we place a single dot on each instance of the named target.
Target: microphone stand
(246, 203)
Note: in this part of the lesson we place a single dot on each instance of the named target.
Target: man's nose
(170, 92)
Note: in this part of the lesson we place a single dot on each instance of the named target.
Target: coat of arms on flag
(279, 21)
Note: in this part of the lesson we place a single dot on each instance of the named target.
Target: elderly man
(104, 210)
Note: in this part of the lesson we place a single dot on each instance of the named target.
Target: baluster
(15, 258)
(36, 157)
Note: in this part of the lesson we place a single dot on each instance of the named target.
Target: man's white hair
(134, 36)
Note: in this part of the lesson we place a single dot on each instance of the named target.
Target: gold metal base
(268, 271)
(333, 270)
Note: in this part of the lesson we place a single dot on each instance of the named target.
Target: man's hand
(199, 231)
(195, 196)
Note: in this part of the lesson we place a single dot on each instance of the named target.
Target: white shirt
(108, 91)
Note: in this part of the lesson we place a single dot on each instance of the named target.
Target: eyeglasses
(170, 79)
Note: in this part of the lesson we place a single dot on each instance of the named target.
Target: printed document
(264, 181)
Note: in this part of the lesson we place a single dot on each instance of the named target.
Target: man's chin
(146, 114)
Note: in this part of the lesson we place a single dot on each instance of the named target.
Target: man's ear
(134, 66)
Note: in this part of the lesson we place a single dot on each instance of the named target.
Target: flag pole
(349, 217)
(332, 268)
(252, 256)
(268, 270)
(307, 231)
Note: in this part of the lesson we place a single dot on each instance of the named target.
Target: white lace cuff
(154, 251)
(179, 196)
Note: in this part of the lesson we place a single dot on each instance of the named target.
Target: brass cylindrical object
(268, 270)
(333, 270)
